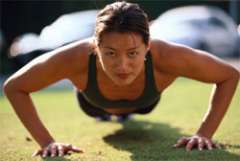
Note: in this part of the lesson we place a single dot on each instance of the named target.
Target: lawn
(145, 138)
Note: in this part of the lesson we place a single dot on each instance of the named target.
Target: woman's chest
(130, 92)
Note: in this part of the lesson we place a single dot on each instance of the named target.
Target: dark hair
(122, 17)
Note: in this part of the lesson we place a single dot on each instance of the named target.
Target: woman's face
(122, 56)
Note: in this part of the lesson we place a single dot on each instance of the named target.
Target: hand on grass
(196, 141)
(57, 149)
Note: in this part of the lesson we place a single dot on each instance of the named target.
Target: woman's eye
(110, 53)
(133, 54)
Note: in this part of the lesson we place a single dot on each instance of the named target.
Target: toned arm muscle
(49, 68)
(183, 61)
(39, 73)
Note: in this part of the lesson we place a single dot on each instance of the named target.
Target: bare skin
(120, 67)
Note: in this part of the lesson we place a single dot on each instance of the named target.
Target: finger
(200, 144)
(36, 153)
(209, 144)
(218, 146)
(53, 151)
(181, 142)
(76, 149)
(68, 146)
(191, 144)
(45, 152)
(60, 151)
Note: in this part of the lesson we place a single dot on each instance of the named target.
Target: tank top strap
(150, 84)
(92, 74)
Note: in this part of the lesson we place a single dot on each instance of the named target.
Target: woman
(119, 72)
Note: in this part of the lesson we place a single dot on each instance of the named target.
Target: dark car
(201, 27)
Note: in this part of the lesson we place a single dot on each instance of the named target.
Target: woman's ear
(94, 46)
(149, 45)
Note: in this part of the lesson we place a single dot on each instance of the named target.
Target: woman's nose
(122, 64)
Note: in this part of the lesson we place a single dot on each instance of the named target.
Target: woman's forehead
(116, 40)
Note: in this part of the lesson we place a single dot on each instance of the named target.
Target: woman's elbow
(9, 87)
(6, 87)
(235, 74)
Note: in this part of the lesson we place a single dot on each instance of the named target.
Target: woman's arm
(200, 65)
(39, 73)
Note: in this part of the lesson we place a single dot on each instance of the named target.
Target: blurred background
(32, 27)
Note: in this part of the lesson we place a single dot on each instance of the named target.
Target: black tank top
(149, 96)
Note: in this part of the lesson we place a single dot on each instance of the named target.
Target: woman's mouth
(123, 75)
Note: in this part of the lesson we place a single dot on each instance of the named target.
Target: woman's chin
(122, 82)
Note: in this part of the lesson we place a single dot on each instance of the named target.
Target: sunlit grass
(145, 138)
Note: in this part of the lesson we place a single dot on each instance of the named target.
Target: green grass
(146, 138)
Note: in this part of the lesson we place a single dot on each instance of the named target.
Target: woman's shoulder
(75, 55)
(62, 63)
(70, 59)
(169, 52)
(78, 51)
(162, 53)
(162, 49)
(168, 56)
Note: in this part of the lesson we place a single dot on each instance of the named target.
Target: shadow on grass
(147, 141)
(56, 159)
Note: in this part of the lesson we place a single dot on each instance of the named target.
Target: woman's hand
(57, 149)
(196, 141)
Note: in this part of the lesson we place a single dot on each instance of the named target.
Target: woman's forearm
(220, 100)
(24, 108)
